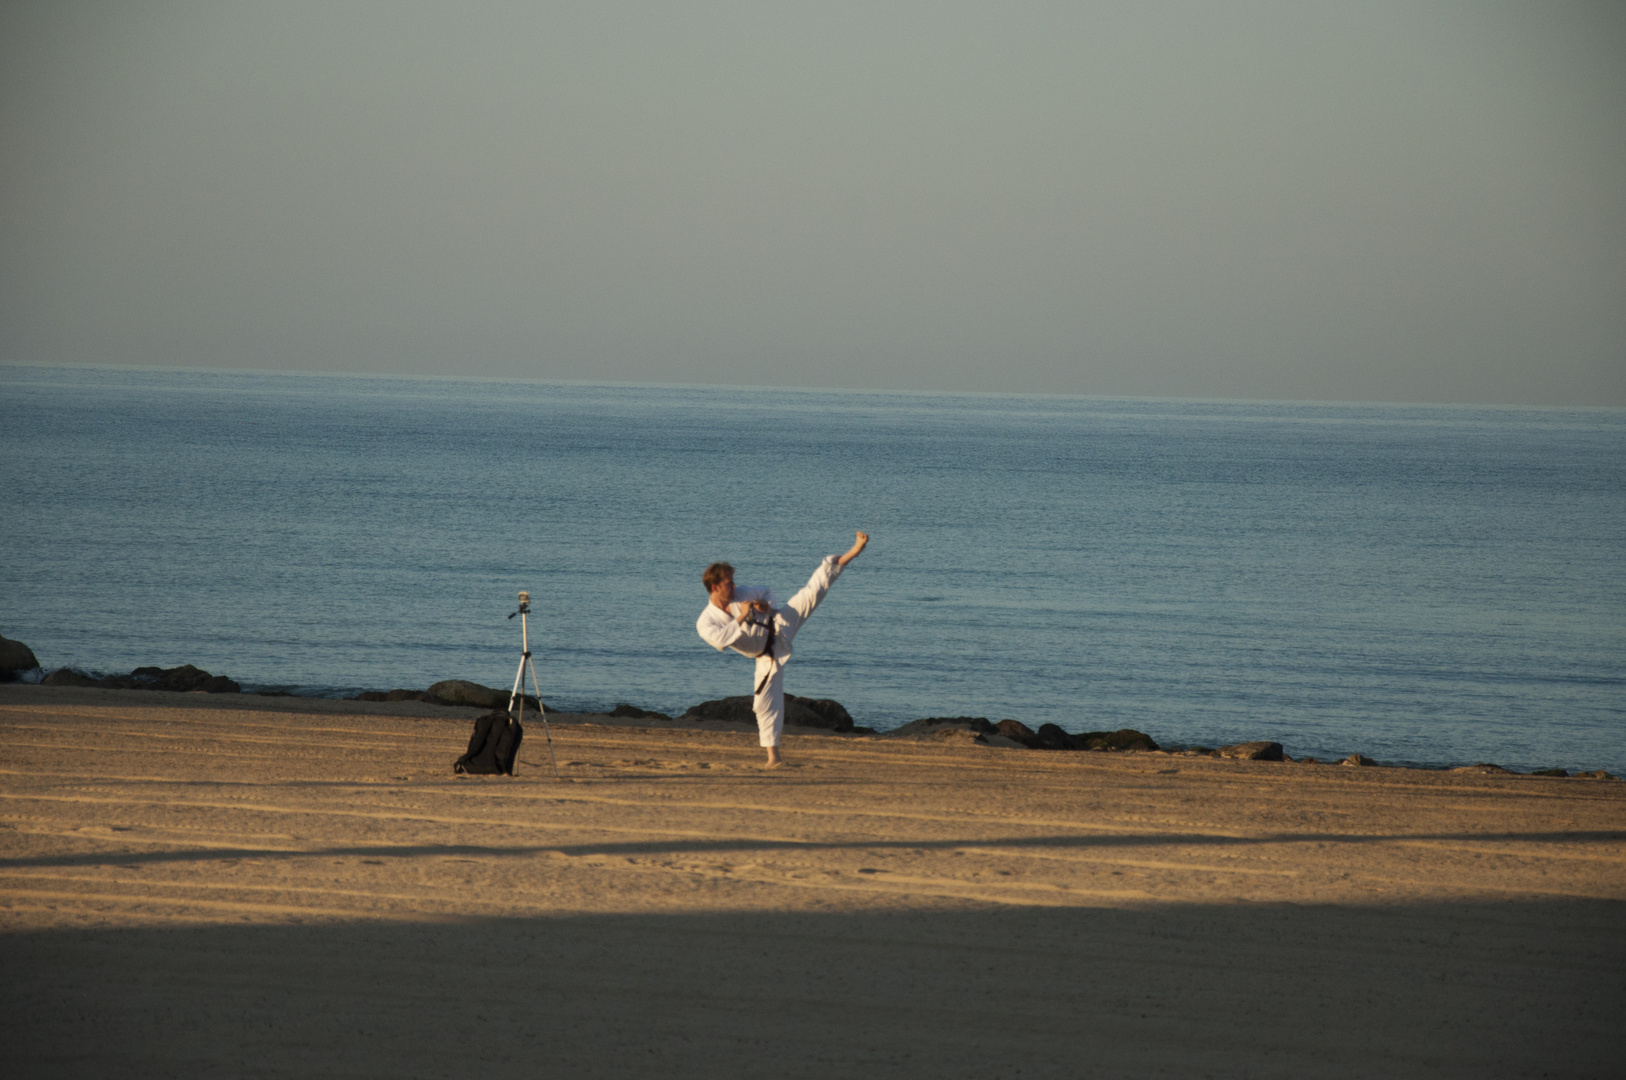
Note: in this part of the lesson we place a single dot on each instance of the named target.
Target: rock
(462, 692)
(1048, 737)
(1123, 739)
(962, 735)
(799, 712)
(69, 677)
(1357, 759)
(1051, 737)
(1596, 774)
(1016, 731)
(931, 724)
(402, 695)
(633, 712)
(185, 679)
(181, 680)
(1550, 772)
(993, 738)
(1310, 761)
(729, 710)
(415, 695)
(1484, 768)
(15, 658)
(1253, 751)
(832, 716)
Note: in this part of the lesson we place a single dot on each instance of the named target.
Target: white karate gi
(720, 630)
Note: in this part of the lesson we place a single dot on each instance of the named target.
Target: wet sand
(192, 885)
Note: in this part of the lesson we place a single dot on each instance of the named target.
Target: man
(748, 620)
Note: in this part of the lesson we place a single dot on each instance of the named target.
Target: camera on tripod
(516, 699)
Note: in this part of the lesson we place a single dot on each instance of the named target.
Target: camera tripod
(517, 695)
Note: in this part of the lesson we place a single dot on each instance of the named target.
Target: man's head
(719, 582)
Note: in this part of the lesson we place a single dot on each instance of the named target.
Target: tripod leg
(519, 684)
(547, 733)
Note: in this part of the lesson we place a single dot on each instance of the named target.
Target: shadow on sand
(951, 990)
(720, 845)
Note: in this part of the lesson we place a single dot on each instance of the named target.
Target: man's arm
(718, 628)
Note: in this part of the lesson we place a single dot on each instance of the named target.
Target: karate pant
(769, 702)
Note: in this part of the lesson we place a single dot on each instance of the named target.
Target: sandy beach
(197, 886)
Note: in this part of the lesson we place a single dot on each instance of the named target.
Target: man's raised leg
(769, 705)
(818, 586)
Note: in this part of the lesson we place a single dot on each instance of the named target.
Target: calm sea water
(1432, 585)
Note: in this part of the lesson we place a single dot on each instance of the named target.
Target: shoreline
(1495, 754)
(35, 694)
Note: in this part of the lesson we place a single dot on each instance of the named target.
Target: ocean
(1430, 585)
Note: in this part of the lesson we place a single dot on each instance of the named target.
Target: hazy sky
(1413, 201)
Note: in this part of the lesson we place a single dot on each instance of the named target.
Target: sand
(201, 886)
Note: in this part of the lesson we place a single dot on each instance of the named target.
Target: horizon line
(892, 391)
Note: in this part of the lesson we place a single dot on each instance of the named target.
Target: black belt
(767, 650)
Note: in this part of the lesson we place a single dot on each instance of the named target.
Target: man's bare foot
(774, 760)
(858, 545)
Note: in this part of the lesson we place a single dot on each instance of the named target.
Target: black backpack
(493, 746)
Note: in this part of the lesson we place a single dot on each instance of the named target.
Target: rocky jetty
(1122, 739)
(185, 679)
(1252, 751)
(823, 714)
(472, 694)
(729, 710)
(458, 692)
(931, 725)
(799, 712)
(1048, 737)
(1052, 737)
(991, 738)
(1016, 731)
(633, 712)
(69, 677)
(1012, 733)
(463, 692)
